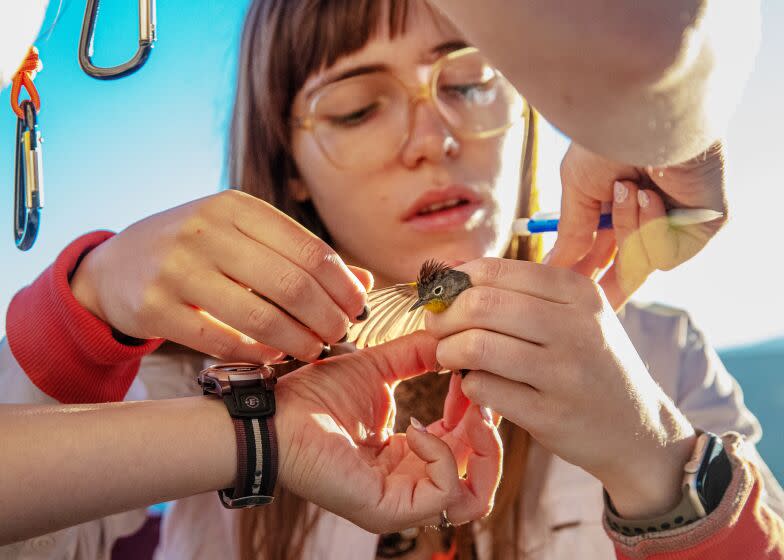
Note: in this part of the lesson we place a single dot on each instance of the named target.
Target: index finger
(577, 226)
(271, 227)
(556, 285)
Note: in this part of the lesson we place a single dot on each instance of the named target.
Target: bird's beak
(419, 303)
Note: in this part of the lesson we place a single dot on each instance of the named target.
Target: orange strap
(24, 77)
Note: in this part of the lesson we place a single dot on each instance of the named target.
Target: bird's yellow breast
(436, 305)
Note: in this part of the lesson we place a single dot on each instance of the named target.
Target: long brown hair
(283, 43)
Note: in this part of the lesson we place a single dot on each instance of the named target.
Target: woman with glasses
(379, 132)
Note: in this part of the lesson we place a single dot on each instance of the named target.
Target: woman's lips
(446, 219)
(443, 209)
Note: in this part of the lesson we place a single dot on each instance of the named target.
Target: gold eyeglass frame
(427, 92)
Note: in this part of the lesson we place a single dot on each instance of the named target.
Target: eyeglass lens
(364, 120)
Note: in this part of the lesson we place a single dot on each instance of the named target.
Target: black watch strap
(247, 391)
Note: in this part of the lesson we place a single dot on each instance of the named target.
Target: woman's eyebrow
(348, 73)
(439, 50)
(448, 46)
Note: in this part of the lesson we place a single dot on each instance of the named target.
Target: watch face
(222, 379)
(714, 475)
(226, 372)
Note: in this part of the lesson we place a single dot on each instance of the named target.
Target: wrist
(83, 286)
(652, 486)
(247, 391)
(286, 434)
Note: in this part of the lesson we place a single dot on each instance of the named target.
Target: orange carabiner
(24, 77)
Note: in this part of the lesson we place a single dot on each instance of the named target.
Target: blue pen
(546, 222)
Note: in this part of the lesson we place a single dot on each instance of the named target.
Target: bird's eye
(438, 290)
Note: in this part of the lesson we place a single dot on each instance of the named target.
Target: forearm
(64, 465)
(645, 83)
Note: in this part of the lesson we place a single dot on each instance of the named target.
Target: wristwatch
(706, 477)
(247, 391)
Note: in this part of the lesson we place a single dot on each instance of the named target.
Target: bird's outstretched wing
(389, 316)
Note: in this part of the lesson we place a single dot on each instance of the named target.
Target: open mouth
(442, 206)
(441, 210)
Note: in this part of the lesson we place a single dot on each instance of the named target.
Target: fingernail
(464, 372)
(324, 352)
(364, 315)
(643, 199)
(621, 192)
(418, 426)
(487, 415)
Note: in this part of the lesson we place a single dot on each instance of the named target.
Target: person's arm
(63, 465)
(644, 83)
(747, 523)
(742, 526)
(66, 351)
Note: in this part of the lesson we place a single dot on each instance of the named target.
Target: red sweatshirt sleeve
(741, 527)
(66, 351)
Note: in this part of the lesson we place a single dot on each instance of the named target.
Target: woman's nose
(430, 138)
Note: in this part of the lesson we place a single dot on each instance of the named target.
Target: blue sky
(116, 152)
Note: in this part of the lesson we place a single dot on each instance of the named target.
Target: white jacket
(563, 504)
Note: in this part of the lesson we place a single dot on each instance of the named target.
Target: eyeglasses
(364, 121)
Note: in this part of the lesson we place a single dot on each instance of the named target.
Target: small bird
(398, 310)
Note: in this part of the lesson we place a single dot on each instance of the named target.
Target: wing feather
(389, 316)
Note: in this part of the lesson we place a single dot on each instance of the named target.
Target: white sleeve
(17, 387)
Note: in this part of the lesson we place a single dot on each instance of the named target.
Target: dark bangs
(306, 36)
(283, 43)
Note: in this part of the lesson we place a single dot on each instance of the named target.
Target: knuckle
(150, 305)
(294, 286)
(222, 346)
(172, 267)
(262, 318)
(475, 348)
(314, 253)
(593, 296)
(473, 387)
(566, 168)
(228, 197)
(490, 270)
(479, 301)
(193, 226)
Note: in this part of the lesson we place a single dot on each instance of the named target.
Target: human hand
(186, 275)
(645, 239)
(546, 352)
(334, 421)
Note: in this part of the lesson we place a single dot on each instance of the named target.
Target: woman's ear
(298, 190)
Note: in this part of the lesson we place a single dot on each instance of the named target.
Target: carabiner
(147, 36)
(28, 178)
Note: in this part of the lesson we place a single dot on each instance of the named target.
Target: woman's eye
(355, 118)
(473, 92)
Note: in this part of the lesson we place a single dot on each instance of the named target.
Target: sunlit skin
(381, 241)
(495, 326)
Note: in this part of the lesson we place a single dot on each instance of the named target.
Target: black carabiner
(28, 178)
(147, 36)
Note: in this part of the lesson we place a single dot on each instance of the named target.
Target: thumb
(579, 221)
(402, 358)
